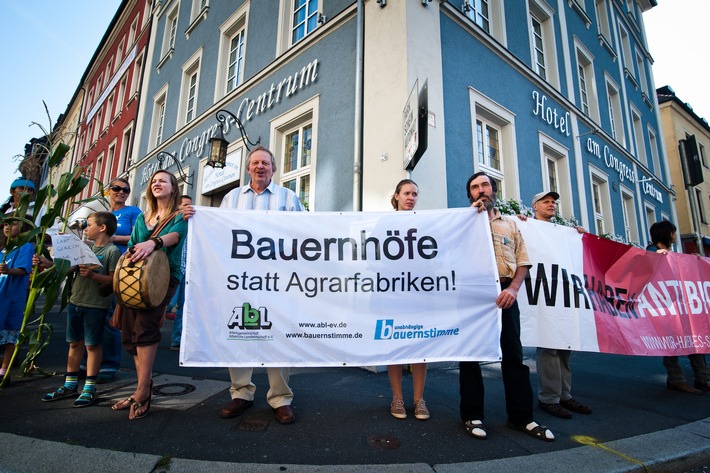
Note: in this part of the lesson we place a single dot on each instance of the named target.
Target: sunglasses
(126, 190)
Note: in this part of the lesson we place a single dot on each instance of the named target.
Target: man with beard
(513, 263)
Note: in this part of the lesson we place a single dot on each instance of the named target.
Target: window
(158, 123)
(542, 41)
(478, 11)
(650, 218)
(615, 114)
(198, 12)
(133, 32)
(121, 94)
(701, 207)
(305, 19)
(295, 149)
(109, 110)
(494, 146)
(600, 203)
(171, 22)
(631, 8)
(296, 161)
(110, 155)
(230, 64)
(555, 172)
(236, 60)
(120, 50)
(628, 210)
(189, 88)
(297, 19)
(109, 68)
(587, 87)
(653, 145)
(125, 154)
(626, 51)
(137, 75)
(701, 151)
(641, 66)
(638, 136)
(603, 19)
(488, 140)
(99, 168)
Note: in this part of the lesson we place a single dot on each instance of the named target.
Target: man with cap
(553, 371)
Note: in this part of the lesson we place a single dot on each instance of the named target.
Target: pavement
(343, 423)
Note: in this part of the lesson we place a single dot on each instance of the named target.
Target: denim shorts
(85, 324)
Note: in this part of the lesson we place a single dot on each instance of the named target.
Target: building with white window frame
(545, 95)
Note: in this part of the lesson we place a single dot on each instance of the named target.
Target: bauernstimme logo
(387, 330)
(248, 318)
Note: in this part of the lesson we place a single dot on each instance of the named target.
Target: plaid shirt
(272, 198)
(508, 245)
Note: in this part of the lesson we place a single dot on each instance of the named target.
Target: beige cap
(543, 194)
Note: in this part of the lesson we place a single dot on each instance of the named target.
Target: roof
(666, 94)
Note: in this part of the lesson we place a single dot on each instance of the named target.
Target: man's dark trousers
(516, 376)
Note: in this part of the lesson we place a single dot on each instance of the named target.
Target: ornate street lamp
(181, 172)
(218, 146)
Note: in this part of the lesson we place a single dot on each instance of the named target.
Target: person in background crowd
(663, 237)
(178, 300)
(140, 329)
(553, 371)
(260, 194)
(513, 263)
(126, 216)
(405, 198)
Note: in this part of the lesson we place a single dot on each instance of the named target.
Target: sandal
(61, 393)
(86, 399)
(534, 429)
(146, 402)
(476, 429)
(125, 404)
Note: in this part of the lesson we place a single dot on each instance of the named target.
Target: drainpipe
(357, 155)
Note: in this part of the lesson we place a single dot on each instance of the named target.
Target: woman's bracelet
(158, 242)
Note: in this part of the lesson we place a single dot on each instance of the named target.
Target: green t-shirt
(177, 224)
(85, 292)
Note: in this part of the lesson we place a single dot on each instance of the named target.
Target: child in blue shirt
(15, 268)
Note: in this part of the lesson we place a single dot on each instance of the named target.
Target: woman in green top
(140, 329)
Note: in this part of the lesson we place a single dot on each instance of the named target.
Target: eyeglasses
(126, 190)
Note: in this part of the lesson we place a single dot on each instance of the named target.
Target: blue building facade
(542, 94)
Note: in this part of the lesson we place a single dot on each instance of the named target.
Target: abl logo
(248, 318)
(384, 329)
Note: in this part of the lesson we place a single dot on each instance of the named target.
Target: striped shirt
(272, 198)
(508, 245)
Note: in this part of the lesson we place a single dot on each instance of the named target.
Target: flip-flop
(125, 404)
(539, 431)
(145, 402)
(476, 429)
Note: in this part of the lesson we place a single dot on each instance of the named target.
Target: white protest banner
(339, 289)
(553, 314)
(588, 293)
(68, 246)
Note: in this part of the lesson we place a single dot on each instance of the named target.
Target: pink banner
(647, 303)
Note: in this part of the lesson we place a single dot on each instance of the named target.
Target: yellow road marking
(587, 440)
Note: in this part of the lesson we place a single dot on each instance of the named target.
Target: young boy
(86, 312)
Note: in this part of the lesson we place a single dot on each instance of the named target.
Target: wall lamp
(218, 146)
(181, 172)
(383, 3)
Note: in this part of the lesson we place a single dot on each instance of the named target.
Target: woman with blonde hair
(405, 198)
(140, 329)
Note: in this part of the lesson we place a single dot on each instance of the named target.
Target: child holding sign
(87, 309)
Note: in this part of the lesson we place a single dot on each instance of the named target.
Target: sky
(49, 43)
